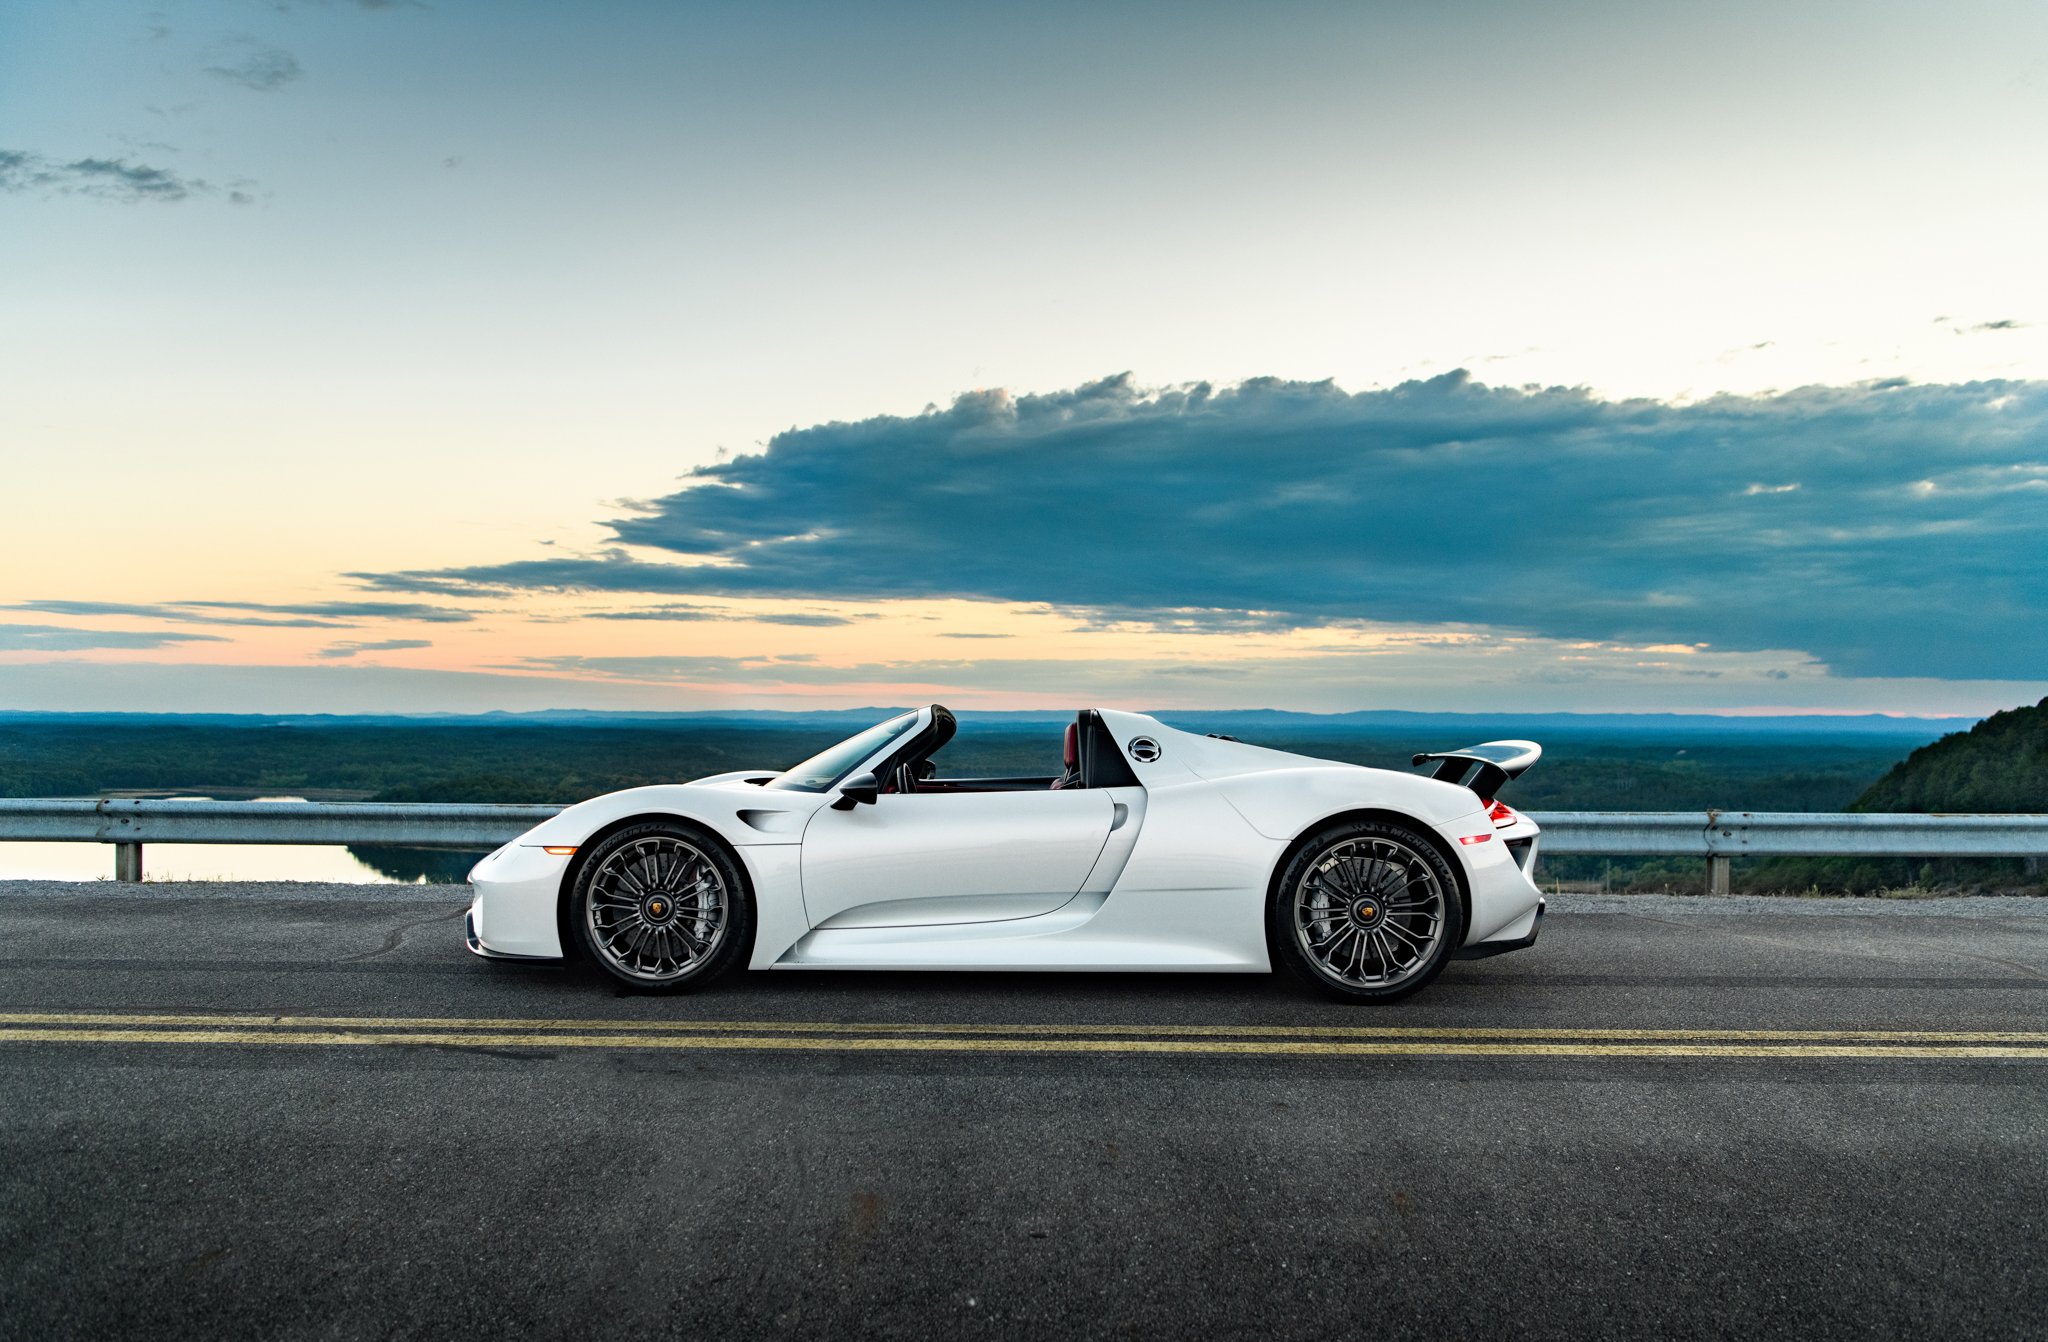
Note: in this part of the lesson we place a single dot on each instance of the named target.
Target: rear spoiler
(1484, 768)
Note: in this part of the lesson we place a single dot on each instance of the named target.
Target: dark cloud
(670, 614)
(255, 65)
(1478, 671)
(101, 179)
(173, 613)
(337, 651)
(800, 619)
(54, 638)
(2002, 324)
(344, 610)
(774, 669)
(1901, 551)
(303, 615)
(612, 571)
(374, 6)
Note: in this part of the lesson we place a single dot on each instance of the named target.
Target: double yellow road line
(1325, 1041)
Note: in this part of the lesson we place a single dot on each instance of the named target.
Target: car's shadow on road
(580, 988)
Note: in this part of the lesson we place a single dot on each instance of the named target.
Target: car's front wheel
(1366, 910)
(662, 907)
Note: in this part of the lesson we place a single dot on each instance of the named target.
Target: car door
(963, 857)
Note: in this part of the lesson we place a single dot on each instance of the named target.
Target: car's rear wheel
(1366, 910)
(662, 907)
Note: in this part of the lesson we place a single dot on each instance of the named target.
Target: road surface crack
(396, 937)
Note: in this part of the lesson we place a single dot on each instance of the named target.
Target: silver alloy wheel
(657, 908)
(1369, 913)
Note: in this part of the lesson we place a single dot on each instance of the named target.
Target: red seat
(1070, 756)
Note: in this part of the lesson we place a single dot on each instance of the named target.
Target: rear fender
(1427, 833)
(1287, 803)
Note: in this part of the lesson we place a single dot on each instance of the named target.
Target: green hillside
(2001, 764)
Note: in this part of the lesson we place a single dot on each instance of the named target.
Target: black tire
(662, 906)
(1366, 910)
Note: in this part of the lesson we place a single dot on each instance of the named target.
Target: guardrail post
(1717, 875)
(127, 861)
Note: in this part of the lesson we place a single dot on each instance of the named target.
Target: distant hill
(2001, 764)
(1652, 763)
(1457, 727)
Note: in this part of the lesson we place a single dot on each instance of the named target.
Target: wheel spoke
(1420, 943)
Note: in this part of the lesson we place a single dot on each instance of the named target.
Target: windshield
(827, 767)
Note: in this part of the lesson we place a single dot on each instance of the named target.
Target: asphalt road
(1680, 1117)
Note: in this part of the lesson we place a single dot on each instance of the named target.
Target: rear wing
(1484, 768)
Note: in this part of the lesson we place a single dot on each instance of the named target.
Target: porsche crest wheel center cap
(657, 907)
(1367, 912)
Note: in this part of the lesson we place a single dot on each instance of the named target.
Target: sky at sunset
(453, 356)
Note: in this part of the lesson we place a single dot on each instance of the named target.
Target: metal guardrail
(142, 820)
(1791, 834)
(1718, 836)
(129, 823)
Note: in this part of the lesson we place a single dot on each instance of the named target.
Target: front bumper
(518, 891)
(477, 947)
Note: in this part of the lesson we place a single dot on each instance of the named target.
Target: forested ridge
(1999, 765)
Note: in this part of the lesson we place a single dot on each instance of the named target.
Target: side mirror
(861, 788)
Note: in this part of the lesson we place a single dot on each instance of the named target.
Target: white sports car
(1153, 849)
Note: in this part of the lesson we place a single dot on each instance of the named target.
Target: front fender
(738, 812)
(519, 887)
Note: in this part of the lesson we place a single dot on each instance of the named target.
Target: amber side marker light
(558, 850)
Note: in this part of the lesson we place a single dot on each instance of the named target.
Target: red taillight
(1470, 839)
(1500, 815)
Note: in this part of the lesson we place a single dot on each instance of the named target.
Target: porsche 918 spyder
(1150, 849)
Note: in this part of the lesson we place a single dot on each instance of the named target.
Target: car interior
(1089, 758)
